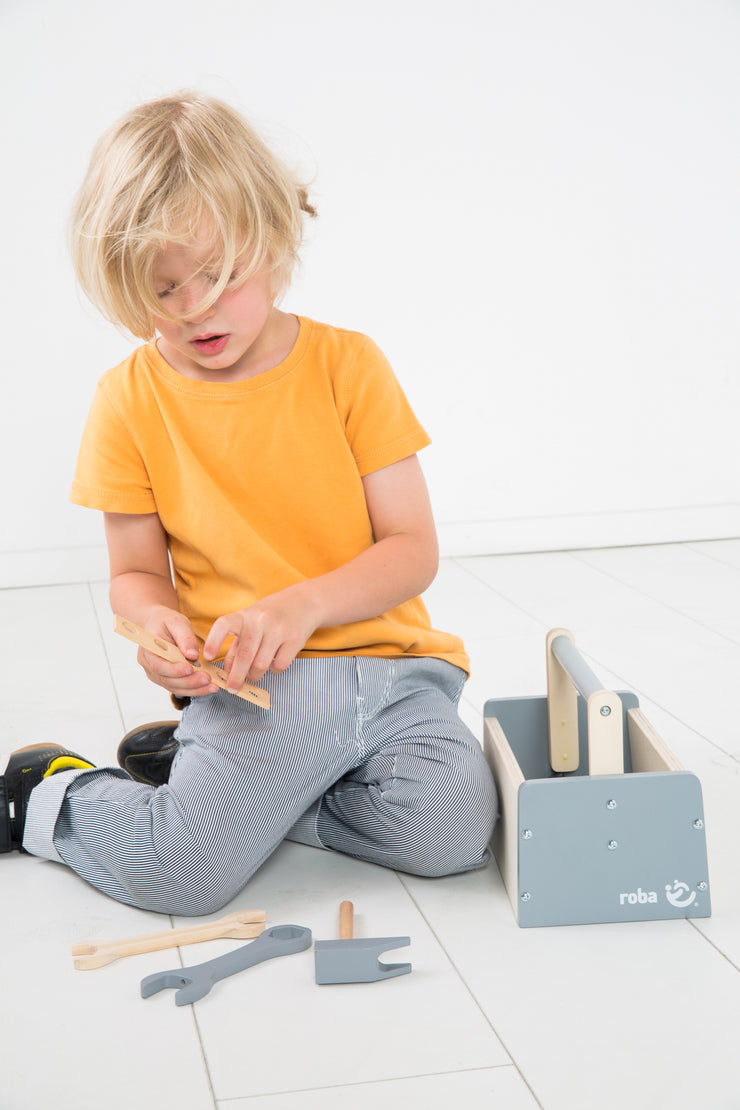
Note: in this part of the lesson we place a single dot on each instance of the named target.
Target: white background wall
(532, 205)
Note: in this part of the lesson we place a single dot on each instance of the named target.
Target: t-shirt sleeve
(380, 424)
(110, 473)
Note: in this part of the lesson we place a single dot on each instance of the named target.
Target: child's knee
(187, 903)
(457, 844)
(185, 888)
(453, 831)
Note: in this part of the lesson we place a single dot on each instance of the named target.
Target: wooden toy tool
(242, 924)
(165, 650)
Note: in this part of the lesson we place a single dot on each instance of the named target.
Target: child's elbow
(429, 565)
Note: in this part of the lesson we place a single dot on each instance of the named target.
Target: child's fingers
(266, 637)
(221, 630)
(273, 652)
(284, 657)
(180, 679)
(245, 658)
(241, 649)
(250, 645)
(178, 629)
(236, 627)
(163, 669)
(194, 686)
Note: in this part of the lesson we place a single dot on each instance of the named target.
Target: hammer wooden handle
(346, 921)
(242, 924)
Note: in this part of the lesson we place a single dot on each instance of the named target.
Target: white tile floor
(638, 1015)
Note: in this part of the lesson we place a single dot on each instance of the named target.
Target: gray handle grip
(575, 666)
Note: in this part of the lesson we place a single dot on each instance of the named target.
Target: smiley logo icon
(679, 895)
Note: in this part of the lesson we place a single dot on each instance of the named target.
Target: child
(262, 497)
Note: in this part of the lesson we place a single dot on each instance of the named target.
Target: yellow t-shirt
(258, 483)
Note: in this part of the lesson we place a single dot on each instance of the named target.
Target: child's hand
(267, 636)
(180, 679)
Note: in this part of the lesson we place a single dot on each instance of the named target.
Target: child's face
(230, 340)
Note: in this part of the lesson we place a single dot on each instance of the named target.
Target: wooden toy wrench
(166, 650)
(97, 953)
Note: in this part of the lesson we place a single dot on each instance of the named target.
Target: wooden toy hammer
(356, 961)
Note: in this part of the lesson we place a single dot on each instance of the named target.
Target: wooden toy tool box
(599, 820)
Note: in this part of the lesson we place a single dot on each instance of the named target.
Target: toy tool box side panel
(612, 848)
(508, 778)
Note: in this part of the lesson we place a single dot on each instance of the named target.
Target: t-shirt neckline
(224, 390)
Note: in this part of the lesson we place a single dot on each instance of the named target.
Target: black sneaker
(147, 752)
(26, 768)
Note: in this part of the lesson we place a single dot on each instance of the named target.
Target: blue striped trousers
(360, 755)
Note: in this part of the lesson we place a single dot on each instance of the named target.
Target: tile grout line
(580, 556)
(692, 922)
(204, 1056)
(108, 664)
(223, 1102)
(657, 601)
(695, 545)
(498, 593)
(463, 980)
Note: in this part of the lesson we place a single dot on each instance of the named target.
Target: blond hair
(159, 175)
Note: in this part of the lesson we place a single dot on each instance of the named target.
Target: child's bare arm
(399, 565)
(141, 589)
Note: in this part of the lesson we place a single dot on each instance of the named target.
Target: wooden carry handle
(242, 924)
(562, 710)
(568, 675)
(346, 921)
(172, 653)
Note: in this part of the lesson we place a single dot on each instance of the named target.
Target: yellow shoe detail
(67, 763)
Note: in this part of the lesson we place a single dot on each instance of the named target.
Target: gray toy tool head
(356, 961)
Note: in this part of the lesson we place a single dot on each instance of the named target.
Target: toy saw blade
(165, 650)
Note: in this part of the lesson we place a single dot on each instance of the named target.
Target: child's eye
(162, 293)
(214, 278)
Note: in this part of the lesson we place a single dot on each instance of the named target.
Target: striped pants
(358, 755)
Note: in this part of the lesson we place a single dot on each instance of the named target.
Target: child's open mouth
(210, 344)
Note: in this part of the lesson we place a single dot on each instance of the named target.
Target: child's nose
(192, 296)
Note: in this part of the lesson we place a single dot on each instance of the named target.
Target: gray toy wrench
(195, 982)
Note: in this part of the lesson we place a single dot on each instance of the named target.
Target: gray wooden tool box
(599, 820)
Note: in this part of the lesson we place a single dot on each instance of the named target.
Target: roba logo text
(678, 894)
(638, 895)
